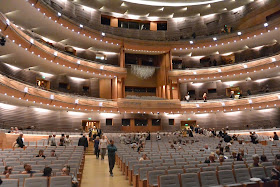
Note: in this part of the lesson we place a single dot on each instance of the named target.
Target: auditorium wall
(58, 120)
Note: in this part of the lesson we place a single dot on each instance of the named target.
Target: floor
(96, 173)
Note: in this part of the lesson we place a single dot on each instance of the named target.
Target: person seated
(234, 137)
(8, 170)
(11, 130)
(239, 157)
(66, 172)
(227, 138)
(19, 141)
(158, 136)
(41, 154)
(206, 149)
(28, 169)
(256, 161)
(47, 172)
(144, 157)
(212, 158)
(221, 158)
(275, 136)
(233, 155)
(263, 158)
(242, 153)
(227, 148)
(53, 153)
(275, 172)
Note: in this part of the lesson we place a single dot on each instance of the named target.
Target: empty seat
(20, 177)
(153, 177)
(169, 181)
(257, 172)
(242, 176)
(210, 168)
(238, 166)
(36, 182)
(190, 179)
(226, 177)
(143, 173)
(208, 178)
(192, 170)
(10, 182)
(61, 181)
(268, 170)
(226, 167)
(175, 171)
(176, 167)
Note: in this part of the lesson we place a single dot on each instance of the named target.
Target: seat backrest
(209, 168)
(226, 177)
(143, 172)
(192, 170)
(175, 171)
(257, 172)
(225, 167)
(169, 181)
(10, 182)
(268, 170)
(61, 181)
(238, 166)
(136, 168)
(208, 178)
(190, 179)
(36, 182)
(20, 177)
(153, 177)
(242, 175)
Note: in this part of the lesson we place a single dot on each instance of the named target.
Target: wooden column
(122, 58)
(153, 26)
(120, 88)
(114, 22)
(115, 88)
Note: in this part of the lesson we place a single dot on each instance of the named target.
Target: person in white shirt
(144, 157)
(188, 97)
(158, 136)
(103, 146)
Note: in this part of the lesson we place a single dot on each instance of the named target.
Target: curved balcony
(152, 46)
(54, 56)
(220, 72)
(35, 96)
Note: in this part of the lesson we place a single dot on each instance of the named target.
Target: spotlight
(3, 41)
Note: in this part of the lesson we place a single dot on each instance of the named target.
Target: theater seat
(258, 172)
(226, 178)
(190, 179)
(208, 178)
(61, 181)
(153, 177)
(10, 182)
(169, 181)
(36, 182)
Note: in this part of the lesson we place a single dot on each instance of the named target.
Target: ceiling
(164, 8)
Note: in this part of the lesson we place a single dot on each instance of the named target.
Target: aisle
(96, 173)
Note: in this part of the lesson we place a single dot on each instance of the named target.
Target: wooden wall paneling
(105, 88)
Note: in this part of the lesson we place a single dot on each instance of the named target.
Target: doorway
(186, 125)
(88, 124)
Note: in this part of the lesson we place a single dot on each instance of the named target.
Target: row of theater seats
(72, 156)
(186, 167)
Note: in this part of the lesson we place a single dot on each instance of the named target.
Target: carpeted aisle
(96, 173)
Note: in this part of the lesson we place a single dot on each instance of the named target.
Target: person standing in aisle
(111, 156)
(96, 147)
(103, 146)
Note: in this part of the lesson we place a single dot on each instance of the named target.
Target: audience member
(11, 130)
(158, 136)
(256, 160)
(66, 172)
(41, 154)
(19, 141)
(83, 142)
(221, 158)
(47, 172)
(96, 147)
(67, 140)
(53, 141)
(53, 153)
(275, 136)
(28, 170)
(204, 97)
(7, 171)
(275, 172)
(61, 140)
(206, 149)
(49, 140)
(263, 158)
(233, 155)
(187, 97)
(111, 156)
(144, 157)
(227, 138)
(212, 158)
(149, 136)
(103, 143)
(239, 157)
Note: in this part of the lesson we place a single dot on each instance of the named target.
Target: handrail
(139, 41)
(50, 51)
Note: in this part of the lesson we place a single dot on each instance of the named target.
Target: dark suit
(20, 142)
(83, 142)
(99, 132)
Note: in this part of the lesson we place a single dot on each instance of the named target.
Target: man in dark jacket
(111, 156)
(20, 141)
(83, 141)
(227, 138)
